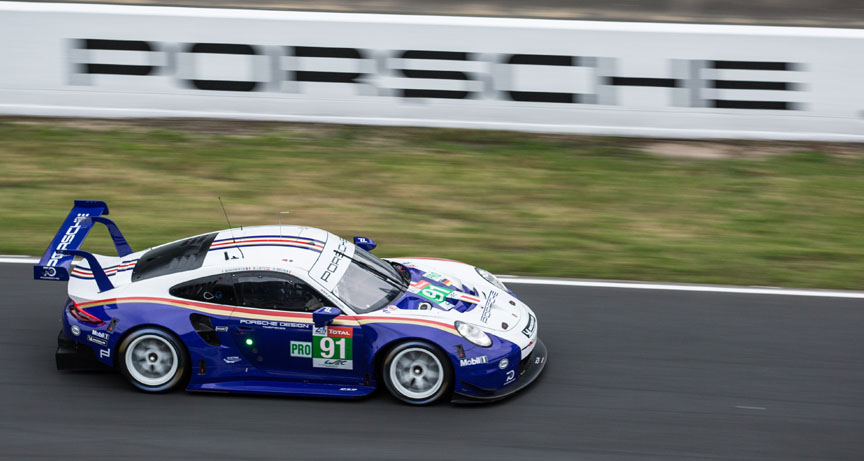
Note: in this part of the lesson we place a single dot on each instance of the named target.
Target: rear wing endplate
(57, 260)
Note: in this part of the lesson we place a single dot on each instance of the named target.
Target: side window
(274, 290)
(216, 289)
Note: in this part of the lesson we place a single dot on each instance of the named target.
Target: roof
(272, 246)
(286, 248)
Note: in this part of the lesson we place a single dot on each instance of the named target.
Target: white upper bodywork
(313, 255)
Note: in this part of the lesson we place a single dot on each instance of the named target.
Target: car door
(273, 329)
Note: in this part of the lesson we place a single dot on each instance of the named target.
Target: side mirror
(325, 315)
(364, 243)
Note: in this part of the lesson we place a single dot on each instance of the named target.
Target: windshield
(369, 283)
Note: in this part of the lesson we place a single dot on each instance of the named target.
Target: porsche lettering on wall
(372, 68)
(577, 77)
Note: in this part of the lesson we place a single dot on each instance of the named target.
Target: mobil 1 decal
(333, 347)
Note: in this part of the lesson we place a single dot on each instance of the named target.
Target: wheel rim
(416, 373)
(151, 360)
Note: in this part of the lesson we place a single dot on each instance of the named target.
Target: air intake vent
(204, 327)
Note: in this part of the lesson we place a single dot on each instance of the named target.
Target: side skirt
(285, 388)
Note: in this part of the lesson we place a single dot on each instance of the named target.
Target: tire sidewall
(182, 358)
(447, 370)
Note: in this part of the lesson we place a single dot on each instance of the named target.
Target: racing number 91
(435, 293)
(328, 347)
(333, 347)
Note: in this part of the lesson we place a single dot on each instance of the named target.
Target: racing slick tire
(417, 373)
(153, 360)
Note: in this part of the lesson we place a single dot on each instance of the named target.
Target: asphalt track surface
(632, 374)
(823, 13)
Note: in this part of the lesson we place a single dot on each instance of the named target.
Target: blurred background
(827, 13)
(633, 374)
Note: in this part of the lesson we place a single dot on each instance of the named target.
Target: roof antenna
(280, 221)
(230, 229)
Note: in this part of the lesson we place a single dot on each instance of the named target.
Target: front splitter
(528, 373)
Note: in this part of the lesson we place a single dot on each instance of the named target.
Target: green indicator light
(248, 341)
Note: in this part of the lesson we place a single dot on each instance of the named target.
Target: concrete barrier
(631, 79)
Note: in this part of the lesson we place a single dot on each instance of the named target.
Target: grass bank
(737, 213)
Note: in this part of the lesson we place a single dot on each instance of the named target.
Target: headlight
(491, 279)
(473, 334)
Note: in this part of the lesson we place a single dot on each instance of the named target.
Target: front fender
(472, 365)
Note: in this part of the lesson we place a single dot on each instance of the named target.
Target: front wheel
(417, 373)
(153, 360)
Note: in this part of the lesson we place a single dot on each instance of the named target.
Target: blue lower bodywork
(267, 366)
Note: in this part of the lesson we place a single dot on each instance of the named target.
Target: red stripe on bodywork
(244, 241)
(251, 310)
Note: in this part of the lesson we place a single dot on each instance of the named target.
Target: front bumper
(74, 356)
(529, 369)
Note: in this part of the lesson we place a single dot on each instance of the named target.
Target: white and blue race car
(288, 310)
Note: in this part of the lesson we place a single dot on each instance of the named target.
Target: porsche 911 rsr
(288, 310)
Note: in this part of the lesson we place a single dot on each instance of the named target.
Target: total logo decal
(332, 347)
(473, 361)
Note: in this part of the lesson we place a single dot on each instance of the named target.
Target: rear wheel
(153, 360)
(417, 373)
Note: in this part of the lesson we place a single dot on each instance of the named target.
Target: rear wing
(56, 261)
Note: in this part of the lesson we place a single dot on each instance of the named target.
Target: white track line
(677, 287)
(606, 284)
(18, 259)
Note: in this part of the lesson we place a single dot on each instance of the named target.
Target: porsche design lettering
(272, 324)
